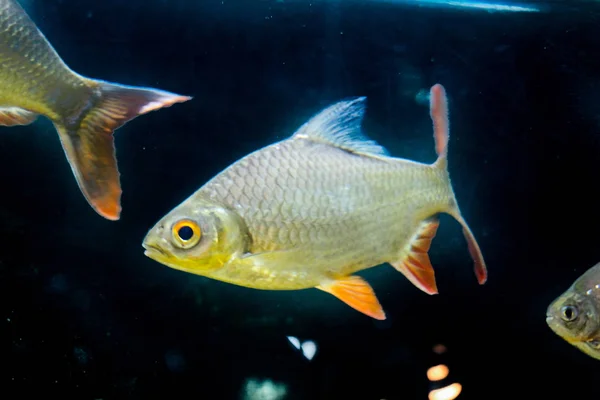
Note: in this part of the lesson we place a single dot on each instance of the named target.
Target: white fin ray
(339, 125)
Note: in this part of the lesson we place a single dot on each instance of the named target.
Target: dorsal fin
(339, 125)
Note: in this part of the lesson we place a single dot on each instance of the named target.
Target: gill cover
(198, 236)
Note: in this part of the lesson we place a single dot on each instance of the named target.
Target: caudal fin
(438, 105)
(88, 141)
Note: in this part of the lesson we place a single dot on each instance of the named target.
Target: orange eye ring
(186, 233)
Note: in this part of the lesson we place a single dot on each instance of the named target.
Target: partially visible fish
(35, 81)
(312, 210)
(575, 314)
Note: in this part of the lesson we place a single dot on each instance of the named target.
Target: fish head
(574, 317)
(199, 236)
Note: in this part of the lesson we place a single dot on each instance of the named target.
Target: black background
(84, 314)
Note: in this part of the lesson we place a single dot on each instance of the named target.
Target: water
(86, 315)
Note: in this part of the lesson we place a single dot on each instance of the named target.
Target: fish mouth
(153, 250)
(555, 327)
(551, 324)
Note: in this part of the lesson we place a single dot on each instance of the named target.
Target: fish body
(312, 210)
(35, 81)
(575, 314)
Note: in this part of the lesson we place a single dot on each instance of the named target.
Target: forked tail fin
(88, 141)
(438, 103)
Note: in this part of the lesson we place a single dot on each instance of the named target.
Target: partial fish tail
(438, 110)
(88, 142)
(438, 105)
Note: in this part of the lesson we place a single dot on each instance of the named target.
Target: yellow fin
(415, 263)
(88, 140)
(12, 116)
(357, 293)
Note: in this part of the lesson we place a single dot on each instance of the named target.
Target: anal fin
(357, 293)
(13, 116)
(415, 263)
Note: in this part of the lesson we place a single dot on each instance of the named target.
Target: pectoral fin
(415, 263)
(12, 116)
(357, 293)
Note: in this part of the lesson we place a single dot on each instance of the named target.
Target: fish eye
(186, 233)
(569, 313)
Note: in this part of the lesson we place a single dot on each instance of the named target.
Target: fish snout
(154, 250)
(551, 320)
(549, 314)
(154, 234)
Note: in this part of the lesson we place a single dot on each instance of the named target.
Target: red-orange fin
(438, 110)
(88, 140)
(479, 263)
(415, 263)
(12, 116)
(357, 293)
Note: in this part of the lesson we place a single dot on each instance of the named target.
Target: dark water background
(84, 314)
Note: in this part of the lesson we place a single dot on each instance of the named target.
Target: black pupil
(185, 233)
(569, 312)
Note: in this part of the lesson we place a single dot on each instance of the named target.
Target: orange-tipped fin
(12, 116)
(88, 139)
(415, 263)
(357, 293)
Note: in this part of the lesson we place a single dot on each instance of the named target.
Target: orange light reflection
(437, 373)
(449, 392)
